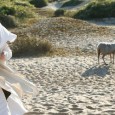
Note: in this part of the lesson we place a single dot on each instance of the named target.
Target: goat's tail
(98, 53)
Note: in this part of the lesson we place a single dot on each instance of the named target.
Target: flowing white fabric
(16, 106)
(13, 105)
(4, 108)
(11, 80)
(18, 82)
(5, 36)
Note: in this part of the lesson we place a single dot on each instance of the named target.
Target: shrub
(39, 3)
(23, 12)
(4, 10)
(69, 13)
(72, 3)
(30, 46)
(97, 9)
(8, 21)
(59, 12)
(13, 11)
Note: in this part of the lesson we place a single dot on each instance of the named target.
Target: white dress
(4, 108)
(11, 81)
(13, 105)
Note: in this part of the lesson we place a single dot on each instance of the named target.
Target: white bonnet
(6, 35)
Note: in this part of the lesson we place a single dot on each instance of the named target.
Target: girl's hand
(2, 56)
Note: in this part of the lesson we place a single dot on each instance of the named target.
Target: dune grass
(17, 10)
(30, 47)
(97, 9)
(72, 3)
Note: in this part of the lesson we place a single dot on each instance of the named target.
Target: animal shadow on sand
(100, 71)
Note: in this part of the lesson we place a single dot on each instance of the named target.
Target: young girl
(12, 85)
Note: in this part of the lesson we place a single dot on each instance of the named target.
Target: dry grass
(25, 46)
(63, 25)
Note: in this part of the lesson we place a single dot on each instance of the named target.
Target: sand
(73, 85)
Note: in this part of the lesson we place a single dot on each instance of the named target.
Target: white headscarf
(6, 36)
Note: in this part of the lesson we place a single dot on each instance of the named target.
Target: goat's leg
(110, 58)
(98, 52)
(98, 59)
(113, 58)
(103, 58)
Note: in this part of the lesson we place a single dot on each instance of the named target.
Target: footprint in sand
(90, 107)
(49, 106)
(63, 110)
(59, 113)
(33, 113)
(76, 109)
(111, 112)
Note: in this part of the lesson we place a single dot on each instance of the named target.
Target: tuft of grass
(30, 47)
(22, 13)
(22, 3)
(58, 52)
(97, 9)
(69, 13)
(44, 13)
(8, 21)
(59, 12)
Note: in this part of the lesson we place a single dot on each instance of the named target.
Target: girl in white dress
(12, 85)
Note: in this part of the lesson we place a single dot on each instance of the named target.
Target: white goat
(105, 48)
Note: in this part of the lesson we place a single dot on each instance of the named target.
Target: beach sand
(73, 85)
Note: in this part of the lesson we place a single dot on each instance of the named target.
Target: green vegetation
(12, 12)
(8, 21)
(59, 12)
(39, 3)
(72, 3)
(7, 10)
(97, 9)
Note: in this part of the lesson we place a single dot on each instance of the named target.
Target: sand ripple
(69, 85)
